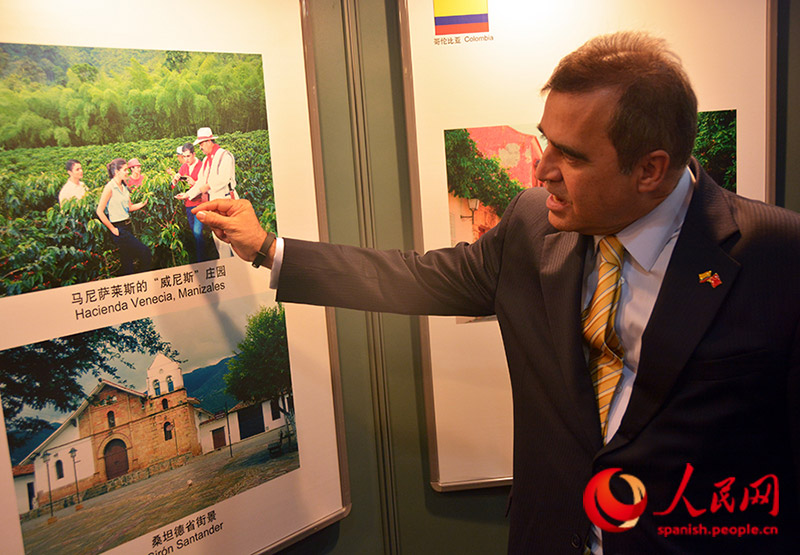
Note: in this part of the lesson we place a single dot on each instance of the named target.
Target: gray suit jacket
(718, 384)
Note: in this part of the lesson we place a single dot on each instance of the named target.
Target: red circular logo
(604, 510)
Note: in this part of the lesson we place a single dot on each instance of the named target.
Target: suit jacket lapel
(564, 256)
(684, 307)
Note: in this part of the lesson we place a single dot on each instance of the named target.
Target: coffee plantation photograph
(91, 137)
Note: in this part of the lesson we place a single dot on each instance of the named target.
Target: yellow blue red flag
(453, 17)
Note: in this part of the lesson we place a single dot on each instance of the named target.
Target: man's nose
(545, 169)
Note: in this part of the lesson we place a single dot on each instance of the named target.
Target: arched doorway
(116, 456)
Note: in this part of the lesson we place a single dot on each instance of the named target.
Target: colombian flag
(453, 17)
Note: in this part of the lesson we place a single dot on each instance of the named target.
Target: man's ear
(654, 172)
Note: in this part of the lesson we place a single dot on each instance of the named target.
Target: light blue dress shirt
(648, 242)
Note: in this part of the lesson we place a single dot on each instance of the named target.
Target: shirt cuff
(193, 191)
(276, 264)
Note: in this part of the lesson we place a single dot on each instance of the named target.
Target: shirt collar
(207, 159)
(645, 238)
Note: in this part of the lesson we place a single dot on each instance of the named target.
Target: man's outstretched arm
(459, 280)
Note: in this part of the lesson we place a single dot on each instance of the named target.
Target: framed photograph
(473, 74)
(155, 395)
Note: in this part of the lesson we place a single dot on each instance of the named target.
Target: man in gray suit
(704, 320)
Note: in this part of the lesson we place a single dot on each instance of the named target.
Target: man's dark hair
(71, 164)
(188, 146)
(657, 107)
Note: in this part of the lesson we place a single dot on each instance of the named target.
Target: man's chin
(560, 221)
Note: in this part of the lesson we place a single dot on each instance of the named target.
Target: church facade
(118, 432)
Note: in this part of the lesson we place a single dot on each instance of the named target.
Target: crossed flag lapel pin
(710, 277)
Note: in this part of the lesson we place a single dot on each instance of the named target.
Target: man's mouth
(556, 203)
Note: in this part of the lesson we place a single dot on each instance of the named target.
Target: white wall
(206, 427)
(21, 491)
(84, 463)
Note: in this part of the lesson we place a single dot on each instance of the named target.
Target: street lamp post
(46, 459)
(472, 204)
(78, 506)
(228, 425)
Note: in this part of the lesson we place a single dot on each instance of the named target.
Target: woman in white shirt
(116, 198)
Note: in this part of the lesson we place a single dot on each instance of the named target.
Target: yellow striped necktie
(605, 349)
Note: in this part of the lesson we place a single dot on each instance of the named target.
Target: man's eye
(571, 159)
(561, 154)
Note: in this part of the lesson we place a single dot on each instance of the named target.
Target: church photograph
(151, 433)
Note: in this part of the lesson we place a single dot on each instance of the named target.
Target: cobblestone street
(129, 512)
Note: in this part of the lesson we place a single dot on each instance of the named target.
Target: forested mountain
(70, 96)
(207, 384)
(21, 451)
(47, 64)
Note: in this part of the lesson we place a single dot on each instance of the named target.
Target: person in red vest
(136, 178)
(188, 173)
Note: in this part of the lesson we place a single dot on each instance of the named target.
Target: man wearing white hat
(217, 177)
